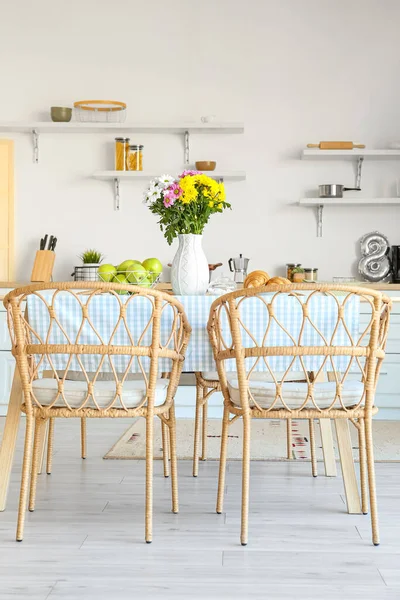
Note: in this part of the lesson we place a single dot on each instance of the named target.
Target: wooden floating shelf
(78, 127)
(377, 154)
(347, 201)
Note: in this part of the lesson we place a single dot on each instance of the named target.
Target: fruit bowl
(148, 279)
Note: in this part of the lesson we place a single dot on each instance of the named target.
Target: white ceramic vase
(189, 272)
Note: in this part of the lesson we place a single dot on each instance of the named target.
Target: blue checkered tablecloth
(104, 311)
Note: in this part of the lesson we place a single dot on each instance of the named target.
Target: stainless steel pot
(334, 190)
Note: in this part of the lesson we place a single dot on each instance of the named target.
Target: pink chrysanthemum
(172, 193)
(191, 173)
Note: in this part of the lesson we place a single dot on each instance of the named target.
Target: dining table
(104, 310)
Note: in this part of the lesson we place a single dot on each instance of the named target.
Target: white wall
(295, 71)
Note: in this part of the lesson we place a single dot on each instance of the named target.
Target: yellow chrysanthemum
(221, 192)
(220, 205)
(189, 190)
(211, 204)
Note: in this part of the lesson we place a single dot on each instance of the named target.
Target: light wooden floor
(85, 539)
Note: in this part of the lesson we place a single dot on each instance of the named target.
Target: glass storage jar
(289, 270)
(135, 158)
(120, 154)
(310, 275)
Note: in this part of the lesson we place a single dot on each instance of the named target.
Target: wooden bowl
(206, 165)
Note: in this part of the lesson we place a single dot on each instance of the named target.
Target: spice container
(134, 160)
(310, 275)
(120, 154)
(289, 270)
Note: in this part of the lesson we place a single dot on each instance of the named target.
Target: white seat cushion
(45, 391)
(295, 393)
(257, 376)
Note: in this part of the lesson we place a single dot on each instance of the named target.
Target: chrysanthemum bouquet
(185, 204)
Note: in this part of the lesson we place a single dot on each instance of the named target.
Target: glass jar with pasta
(134, 159)
(120, 154)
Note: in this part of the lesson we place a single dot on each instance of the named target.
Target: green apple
(125, 266)
(106, 272)
(154, 266)
(137, 273)
(119, 278)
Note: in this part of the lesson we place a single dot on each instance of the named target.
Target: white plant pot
(189, 272)
(89, 272)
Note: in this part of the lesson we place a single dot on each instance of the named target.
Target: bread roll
(256, 279)
(279, 280)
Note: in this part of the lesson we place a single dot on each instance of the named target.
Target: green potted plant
(91, 260)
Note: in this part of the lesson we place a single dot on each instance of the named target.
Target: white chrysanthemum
(152, 194)
(165, 180)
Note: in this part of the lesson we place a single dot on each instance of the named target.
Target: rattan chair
(206, 385)
(117, 351)
(348, 394)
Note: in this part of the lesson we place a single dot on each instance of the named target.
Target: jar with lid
(120, 154)
(135, 158)
(289, 270)
(310, 274)
(127, 142)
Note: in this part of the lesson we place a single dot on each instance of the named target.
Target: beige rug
(268, 440)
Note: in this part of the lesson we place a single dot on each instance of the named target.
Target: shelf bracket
(116, 194)
(359, 169)
(320, 211)
(187, 149)
(35, 142)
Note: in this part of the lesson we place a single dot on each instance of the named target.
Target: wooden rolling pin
(336, 145)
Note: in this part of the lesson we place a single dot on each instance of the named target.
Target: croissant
(256, 279)
(279, 280)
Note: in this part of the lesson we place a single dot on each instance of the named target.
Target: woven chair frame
(366, 352)
(27, 345)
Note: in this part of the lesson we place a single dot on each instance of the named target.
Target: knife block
(43, 266)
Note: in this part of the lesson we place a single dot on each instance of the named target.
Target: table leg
(10, 437)
(348, 470)
(327, 447)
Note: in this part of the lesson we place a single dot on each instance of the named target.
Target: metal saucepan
(334, 190)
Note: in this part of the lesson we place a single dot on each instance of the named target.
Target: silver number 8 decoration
(375, 263)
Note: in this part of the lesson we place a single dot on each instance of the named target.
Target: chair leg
(165, 447)
(50, 444)
(245, 479)
(289, 438)
(314, 468)
(174, 465)
(371, 481)
(325, 428)
(83, 437)
(40, 425)
(363, 467)
(149, 479)
(26, 466)
(204, 424)
(197, 430)
(222, 461)
(42, 447)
